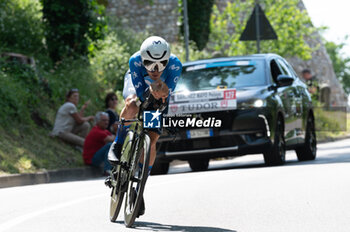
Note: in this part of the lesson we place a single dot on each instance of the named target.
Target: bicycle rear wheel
(119, 180)
(137, 180)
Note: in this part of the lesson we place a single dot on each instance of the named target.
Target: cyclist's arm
(159, 89)
(136, 76)
(175, 68)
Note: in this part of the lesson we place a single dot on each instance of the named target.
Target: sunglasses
(153, 65)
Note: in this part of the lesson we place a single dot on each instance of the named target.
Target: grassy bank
(29, 148)
(27, 151)
(340, 126)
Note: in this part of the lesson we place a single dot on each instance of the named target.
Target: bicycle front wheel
(119, 180)
(137, 180)
(116, 196)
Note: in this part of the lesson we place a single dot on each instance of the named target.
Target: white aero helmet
(155, 53)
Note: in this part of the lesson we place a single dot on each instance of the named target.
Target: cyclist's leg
(154, 136)
(128, 112)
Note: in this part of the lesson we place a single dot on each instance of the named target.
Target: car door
(286, 94)
(296, 98)
(304, 100)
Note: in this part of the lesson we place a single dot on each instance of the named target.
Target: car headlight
(252, 103)
(258, 103)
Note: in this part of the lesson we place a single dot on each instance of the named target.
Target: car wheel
(160, 167)
(308, 150)
(198, 165)
(276, 155)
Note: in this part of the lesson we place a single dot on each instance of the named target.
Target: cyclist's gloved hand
(158, 104)
(147, 98)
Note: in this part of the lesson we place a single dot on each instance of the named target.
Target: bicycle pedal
(135, 179)
(114, 163)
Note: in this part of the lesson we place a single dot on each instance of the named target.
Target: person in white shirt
(71, 125)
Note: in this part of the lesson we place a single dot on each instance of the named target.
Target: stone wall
(321, 66)
(161, 17)
(158, 17)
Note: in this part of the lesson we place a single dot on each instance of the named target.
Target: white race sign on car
(202, 101)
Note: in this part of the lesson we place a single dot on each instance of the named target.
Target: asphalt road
(234, 195)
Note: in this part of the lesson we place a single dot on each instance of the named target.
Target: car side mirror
(284, 80)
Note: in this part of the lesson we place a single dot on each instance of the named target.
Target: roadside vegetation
(331, 124)
(93, 57)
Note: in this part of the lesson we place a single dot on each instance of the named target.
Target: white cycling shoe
(114, 153)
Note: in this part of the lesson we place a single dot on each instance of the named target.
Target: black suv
(269, 111)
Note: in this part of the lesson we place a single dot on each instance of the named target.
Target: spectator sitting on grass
(111, 101)
(97, 143)
(71, 125)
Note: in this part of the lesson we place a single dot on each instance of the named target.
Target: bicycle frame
(125, 178)
(139, 131)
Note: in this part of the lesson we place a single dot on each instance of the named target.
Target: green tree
(341, 64)
(71, 26)
(291, 24)
(198, 20)
(21, 29)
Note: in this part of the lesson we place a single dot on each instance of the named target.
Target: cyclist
(152, 68)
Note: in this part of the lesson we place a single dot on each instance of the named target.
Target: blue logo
(157, 42)
(151, 119)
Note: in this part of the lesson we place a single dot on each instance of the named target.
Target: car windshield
(228, 74)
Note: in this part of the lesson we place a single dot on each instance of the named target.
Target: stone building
(161, 18)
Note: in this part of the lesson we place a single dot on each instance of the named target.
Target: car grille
(244, 123)
(236, 119)
(203, 143)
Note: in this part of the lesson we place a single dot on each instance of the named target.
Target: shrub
(194, 54)
(71, 26)
(198, 20)
(291, 24)
(21, 93)
(111, 61)
(20, 26)
(74, 73)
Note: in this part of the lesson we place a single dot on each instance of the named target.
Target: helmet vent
(156, 55)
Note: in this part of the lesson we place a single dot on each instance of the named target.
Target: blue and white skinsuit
(137, 80)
